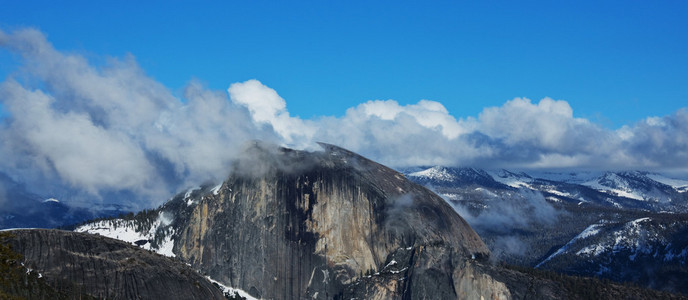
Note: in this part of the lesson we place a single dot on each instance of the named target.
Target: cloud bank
(70, 124)
(104, 129)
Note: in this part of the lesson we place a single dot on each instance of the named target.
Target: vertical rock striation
(106, 268)
(292, 224)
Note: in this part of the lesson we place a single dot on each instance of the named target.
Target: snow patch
(553, 199)
(190, 191)
(129, 231)
(230, 291)
(216, 189)
(560, 251)
(188, 194)
(628, 193)
(51, 200)
(590, 231)
(10, 229)
(636, 223)
(560, 194)
(591, 250)
(632, 237)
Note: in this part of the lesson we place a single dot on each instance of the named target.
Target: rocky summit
(292, 224)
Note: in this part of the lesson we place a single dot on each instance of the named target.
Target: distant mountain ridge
(626, 226)
(22, 208)
(625, 189)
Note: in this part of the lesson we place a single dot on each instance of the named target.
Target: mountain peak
(294, 224)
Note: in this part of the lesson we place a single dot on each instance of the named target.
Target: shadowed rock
(106, 268)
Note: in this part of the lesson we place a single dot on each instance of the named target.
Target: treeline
(593, 288)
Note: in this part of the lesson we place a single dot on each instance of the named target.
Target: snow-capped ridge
(680, 185)
(435, 173)
(516, 180)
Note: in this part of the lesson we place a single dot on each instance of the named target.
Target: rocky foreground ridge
(61, 264)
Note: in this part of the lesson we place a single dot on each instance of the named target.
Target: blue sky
(103, 98)
(615, 62)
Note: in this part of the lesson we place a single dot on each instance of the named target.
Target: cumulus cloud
(519, 134)
(429, 114)
(658, 142)
(267, 107)
(101, 128)
(548, 125)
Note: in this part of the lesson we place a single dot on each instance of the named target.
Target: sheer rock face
(290, 224)
(106, 268)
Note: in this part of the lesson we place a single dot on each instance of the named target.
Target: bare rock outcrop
(105, 268)
(293, 224)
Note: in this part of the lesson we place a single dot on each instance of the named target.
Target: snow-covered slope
(156, 236)
(680, 185)
(616, 185)
(633, 236)
(643, 249)
(634, 185)
(588, 232)
(512, 179)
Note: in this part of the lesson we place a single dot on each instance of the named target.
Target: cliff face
(89, 265)
(290, 224)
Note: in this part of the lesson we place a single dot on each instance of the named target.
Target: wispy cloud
(109, 128)
(98, 128)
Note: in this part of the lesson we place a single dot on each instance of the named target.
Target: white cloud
(267, 107)
(659, 142)
(79, 151)
(549, 123)
(263, 102)
(429, 114)
(112, 128)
